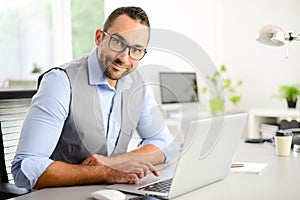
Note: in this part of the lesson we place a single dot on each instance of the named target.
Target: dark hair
(135, 13)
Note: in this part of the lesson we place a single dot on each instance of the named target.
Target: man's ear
(98, 36)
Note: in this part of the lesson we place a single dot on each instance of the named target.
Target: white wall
(226, 29)
(262, 68)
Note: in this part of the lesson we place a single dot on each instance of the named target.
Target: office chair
(7, 190)
(13, 108)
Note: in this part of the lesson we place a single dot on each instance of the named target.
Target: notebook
(206, 156)
(249, 167)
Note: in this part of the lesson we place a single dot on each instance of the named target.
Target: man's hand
(123, 168)
(63, 174)
(122, 163)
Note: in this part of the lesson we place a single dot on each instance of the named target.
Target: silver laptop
(205, 158)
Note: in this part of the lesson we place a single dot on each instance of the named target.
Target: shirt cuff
(33, 167)
(171, 150)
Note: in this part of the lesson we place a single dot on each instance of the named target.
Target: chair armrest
(8, 190)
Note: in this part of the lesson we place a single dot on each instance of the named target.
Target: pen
(235, 165)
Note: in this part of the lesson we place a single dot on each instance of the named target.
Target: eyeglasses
(116, 44)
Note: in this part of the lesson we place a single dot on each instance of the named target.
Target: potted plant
(228, 87)
(36, 69)
(290, 93)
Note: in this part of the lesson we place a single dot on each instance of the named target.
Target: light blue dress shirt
(49, 110)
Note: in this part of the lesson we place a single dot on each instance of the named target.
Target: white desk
(257, 116)
(280, 180)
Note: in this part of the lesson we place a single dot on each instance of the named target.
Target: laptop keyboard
(162, 186)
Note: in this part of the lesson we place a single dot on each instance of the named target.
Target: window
(39, 34)
(25, 38)
(87, 16)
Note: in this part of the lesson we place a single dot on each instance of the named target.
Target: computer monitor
(178, 87)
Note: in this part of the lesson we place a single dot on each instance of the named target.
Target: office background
(225, 29)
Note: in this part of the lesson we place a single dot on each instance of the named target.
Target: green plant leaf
(223, 68)
(235, 99)
(229, 87)
(227, 83)
(239, 83)
(231, 90)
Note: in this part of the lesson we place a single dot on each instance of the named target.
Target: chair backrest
(13, 108)
(3, 172)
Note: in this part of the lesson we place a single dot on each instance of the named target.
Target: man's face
(116, 65)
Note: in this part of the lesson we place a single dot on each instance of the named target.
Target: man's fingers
(92, 160)
(142, 169)
(87, 161)
(131, 172)
(129, 178)
(139, 168)
(139, 172)
(152, 169)
(133, 178)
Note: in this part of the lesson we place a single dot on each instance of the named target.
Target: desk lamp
(273, 35)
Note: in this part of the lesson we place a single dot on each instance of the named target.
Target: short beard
(109, 72)
(111, 75)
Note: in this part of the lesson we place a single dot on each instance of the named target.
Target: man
(82, 118)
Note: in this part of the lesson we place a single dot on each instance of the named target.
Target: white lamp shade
(271, 35)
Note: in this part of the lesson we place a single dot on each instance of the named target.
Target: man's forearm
(64, 174)
(149, 152)
(102, 170)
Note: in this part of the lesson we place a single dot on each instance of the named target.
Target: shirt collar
(96, 76)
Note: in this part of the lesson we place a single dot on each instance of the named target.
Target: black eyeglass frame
(125, 46)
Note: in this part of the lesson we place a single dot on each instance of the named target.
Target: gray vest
(83, 133)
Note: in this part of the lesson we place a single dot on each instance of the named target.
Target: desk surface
(280, 180)
(274, 112)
